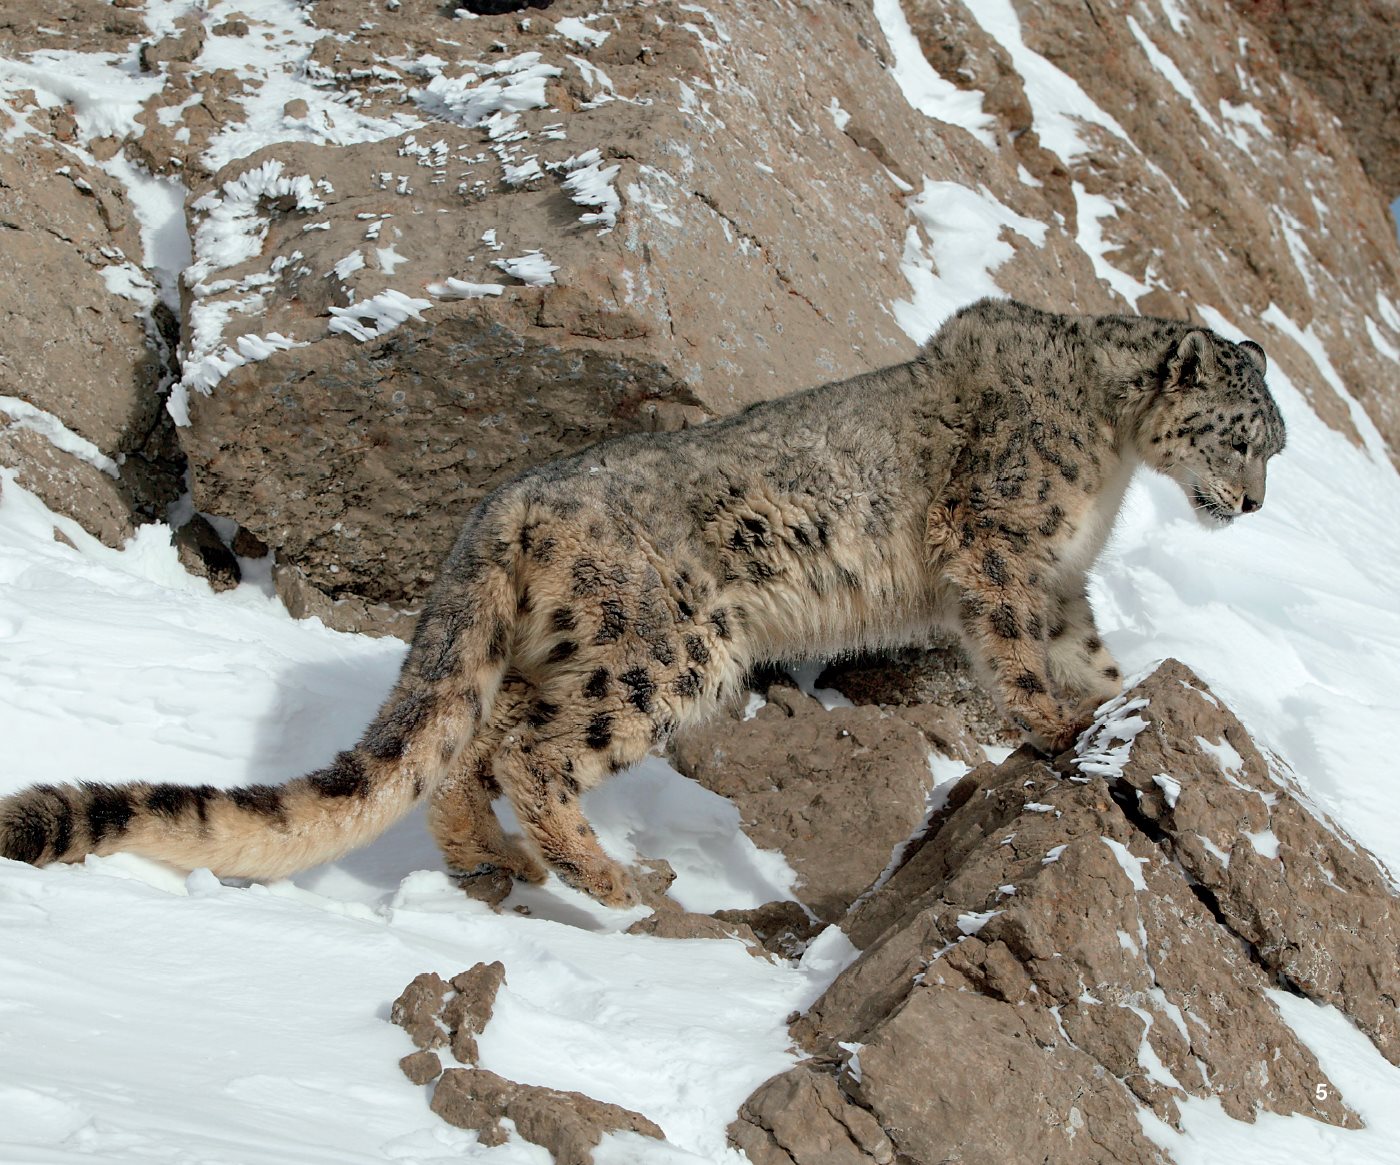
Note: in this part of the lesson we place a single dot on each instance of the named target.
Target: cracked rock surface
(1070, 942)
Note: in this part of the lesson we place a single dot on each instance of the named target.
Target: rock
(685, 924)
(351, 613)
(184, 45)
(801, 1118)
(1319, 912)
(418, 1011)
(82, 345)
(807, 781)
(568, 1124)
(784, 928)
(421, 1067)
(1080, 931)
(1345, 53)
(203, 553)
(937, 689)
(468, 1012)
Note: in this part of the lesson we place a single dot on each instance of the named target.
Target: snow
(24, 415)
(508, 86)
(274, 1044)
(580, 33)
(531, 268)
(922, 87)
(377, 315)
(1061, 108)
(1171, 788)
(1093, 209)
(590, 183)
(1130, 864)
(964, 230)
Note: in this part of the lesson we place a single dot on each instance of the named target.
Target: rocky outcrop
(432, 248)
(1069, 942)
(809, 782)
(81, 413)
(1345, 53)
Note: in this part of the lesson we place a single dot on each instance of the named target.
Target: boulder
(837, 792)
(1068, 943)
(82, 418)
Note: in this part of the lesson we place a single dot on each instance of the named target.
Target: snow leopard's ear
(1255, 354)
(1184, 365)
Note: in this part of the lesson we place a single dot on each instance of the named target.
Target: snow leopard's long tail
(443, 693)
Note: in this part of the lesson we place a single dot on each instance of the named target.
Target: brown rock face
(1069, 945)
(837, 792)
(1345, 53)
(81, 343)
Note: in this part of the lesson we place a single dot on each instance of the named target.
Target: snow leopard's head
(1213, 426)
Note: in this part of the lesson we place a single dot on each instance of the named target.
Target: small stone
(417, 1010)
(421, 1067)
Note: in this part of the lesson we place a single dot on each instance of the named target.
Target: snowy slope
(147, 1017)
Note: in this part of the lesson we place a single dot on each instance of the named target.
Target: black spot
(642, 685)
(1112, 673)
(173, 801)
(563, 619)
(1003, 620)
(597, 686)
(417, 787)
(524, 602)
(758, 570)
(994, 567)
(263, 800)
(599, 732)
(688, 683)
(344, 777)
(1093, 644)
(663, 650)
(108, 811)
(719, 620)
(1035, 628)
(588, 578)
(544, 550)
(564, 649)
(1028, 681)
(848, 578)
(614, 621)
(540, 713)
(758, 528)
(1053, 517)
(695, 648)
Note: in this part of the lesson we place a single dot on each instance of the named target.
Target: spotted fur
(594, 604)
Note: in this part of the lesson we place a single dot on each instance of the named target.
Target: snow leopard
(595, 604)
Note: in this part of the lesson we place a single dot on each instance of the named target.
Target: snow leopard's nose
(1249, 504)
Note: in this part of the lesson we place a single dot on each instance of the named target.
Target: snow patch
(378, 315)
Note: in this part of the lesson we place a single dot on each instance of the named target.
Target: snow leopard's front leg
(1080, 665)
(1005, 614)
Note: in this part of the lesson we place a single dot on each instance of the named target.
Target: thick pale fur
(596, 603)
